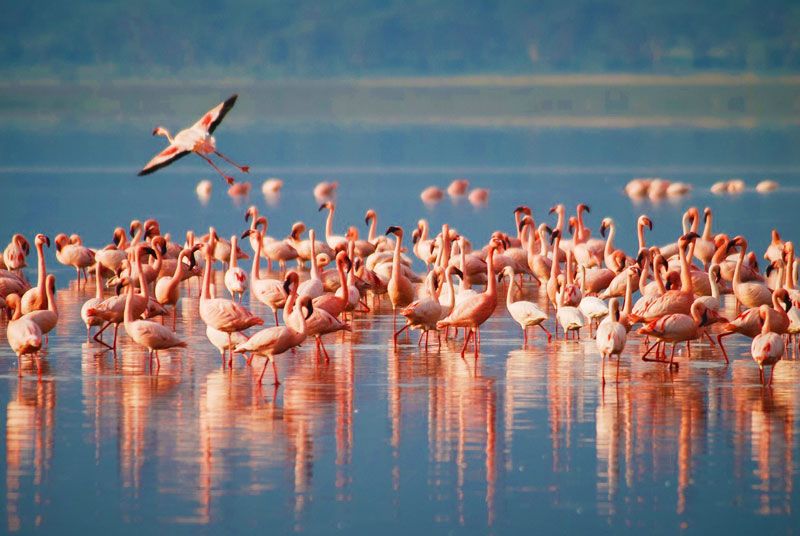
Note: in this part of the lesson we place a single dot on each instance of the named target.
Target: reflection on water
(465, 442)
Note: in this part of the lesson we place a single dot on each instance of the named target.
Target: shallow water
(525, 436)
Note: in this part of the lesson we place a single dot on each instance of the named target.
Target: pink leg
(207, 159)
(244, 169)
(549, 336)
(466, 342)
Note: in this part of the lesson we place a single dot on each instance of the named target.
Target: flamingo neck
(42, 270)
(627, 305)
(142, 280)
(373, 224)
(583, 280)
(255, 275)
(343, 279)
(610, 240)
(714, 286)
(178, 274)
(329, 225)
(707, 227)
(686, 277)
(128, 314)
(737, 272)
(314, 266)
(448, 276)
(491, 282)
(232, 263)
(657, 277)
(509, 295)
(640, 234)
(555, 269)
(17, 311)
(464, 283)
(766, 328)
(396, 258)
(98, 282)
(51, 299)
(205, 293)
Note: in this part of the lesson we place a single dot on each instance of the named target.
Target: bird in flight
(195, 139)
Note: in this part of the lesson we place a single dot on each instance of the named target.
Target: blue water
(403, 440)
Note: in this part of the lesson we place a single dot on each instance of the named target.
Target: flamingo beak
(392, 229)
(555, 234)
(47, 241)
(649, 223)
(690, 235)
(640, 259)
(322, 206)
(787, 301)
(704, 321)
(603, 229)
(149, 251)
(585, 207)
(553, 209)
(192, 261)
(155, 131)
(287, 284)
(132, 230)
(458, 272)
(247, 233)
(310, 308)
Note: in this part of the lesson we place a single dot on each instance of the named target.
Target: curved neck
(128, 314)
(707, 227)
(142, 280)
(51, 298)
(583, 280)
(554, 268)
(373, 224)
(232, 263)
(737, 273)
(657, 276)
(177, 276)
(396, 258)
(343, 278)
(255, 275)
(766, 328)
(560, 224)
(640, 234)
(713, 282)
(491, 282)
(17, 311)
(627, 307)
(137, 236)
(464, 283)
(610, 240)
(448, 276)
(205, 292)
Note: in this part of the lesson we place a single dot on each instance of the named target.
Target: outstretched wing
(163, 159)
(214, 117)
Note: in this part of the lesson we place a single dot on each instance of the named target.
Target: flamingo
(334, 241)
(235, 277)
(748, 323)
(23, 334)
(75, 255)
(195, 139)
(400, 289)
(16, 251)
(432, 194)
(750, 294)
(220, 340)
(474, 310)
(270, 292)
(221, 314)
(151, 335)
(679, 327)
(611, 337)
(479, 196)
(320, 323)
(92, 303)
(325, 189)
(775, 248)
(570, 318)
(458, 188)
(524, 313)
(424, 313)
(767, 347)
(274, 341)
(47, 318)
(166, 289)
(36, 298)
(271, 186)
(591, 307)
(334, 303)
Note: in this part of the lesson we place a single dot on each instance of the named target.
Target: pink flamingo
(432, 194)
(270, 292)
(75, 255)
(167, 291)
(277, 340)
(15, 252)
(475, 310)
(767, 347)
(611, 337)
(458, 188)
(235, 277)
(334, 241)
(36, 298)
(221, 314)
(749, 294)
(479, 196)
(47, 318)
(195, 139)
(151, 335)
(400, 289)
(424, 313)
(23, 334)
(748, 324)
(92, 303)
(679, 327)
(333, 303)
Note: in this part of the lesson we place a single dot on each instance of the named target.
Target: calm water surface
(524, 437)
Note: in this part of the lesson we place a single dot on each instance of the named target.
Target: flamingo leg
(230, 352)
(421, 334)
(261, 376)
(761, 374)
(398, 332)
(466, 342)
(719, 340)
(771, 375)
(603, 369)
(244, 169)
(644, 356)
(324, 350)
(549, 336)
(709, 338)
(96, 335)
(19, 365)
(275, 372)
(207, 159)
(524, 335)
(619, 358)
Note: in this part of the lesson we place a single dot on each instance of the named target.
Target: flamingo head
(415, 236)
(60, 240)
(160, 131)
(41, 240)
(716, 272)
(252, 211)
(454, 269)
(291, 279)
(369, 216)
(689, 237)
(555, 235)
(706, 213)
(673, 281)
(393, 229)
(523, 209)
(573, 223)
(161, 243)
(645, 221)
(305, 302)
(326, 204)
(644, 253)
(788, 250)
(559, 209)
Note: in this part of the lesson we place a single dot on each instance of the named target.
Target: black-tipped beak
(192, 262)
(47, 240)
(458, 272)
(649, 223)
(704, 321)
(690, 235)
(155, 131)
(322, 206)
(553, 209)
(640, 260)
(366, 220)
(246, 233)
(392, 229)
(310, 308)
(287, 284)
(164, 248)
(571, 228)
(770, 269)
(132, 231)
(521, 225)
(415, 237)
(603, 230)
(586, 208)
(787, 301)
(519, 209)
(555, 234)
(150, 251)
(118, 288)
(117, 240)
(148, 233)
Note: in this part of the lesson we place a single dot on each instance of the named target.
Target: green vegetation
(257, 39)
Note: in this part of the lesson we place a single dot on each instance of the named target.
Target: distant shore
(706, 101)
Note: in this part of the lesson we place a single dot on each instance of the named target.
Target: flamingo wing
(172, 153)
(212, 118)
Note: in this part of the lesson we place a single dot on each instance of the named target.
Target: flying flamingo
(36, 298)
(221, 314)
(270, 342)
(23, 334)
(611, 336)
(195, 139)
(475, 310)
(767, 347)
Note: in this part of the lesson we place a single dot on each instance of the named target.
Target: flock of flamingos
(584, 278)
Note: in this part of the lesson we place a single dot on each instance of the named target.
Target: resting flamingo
(16, 251)
(195, 139)
(23, 334)
(151, 335)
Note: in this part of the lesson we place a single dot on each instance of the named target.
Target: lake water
(405, 440)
